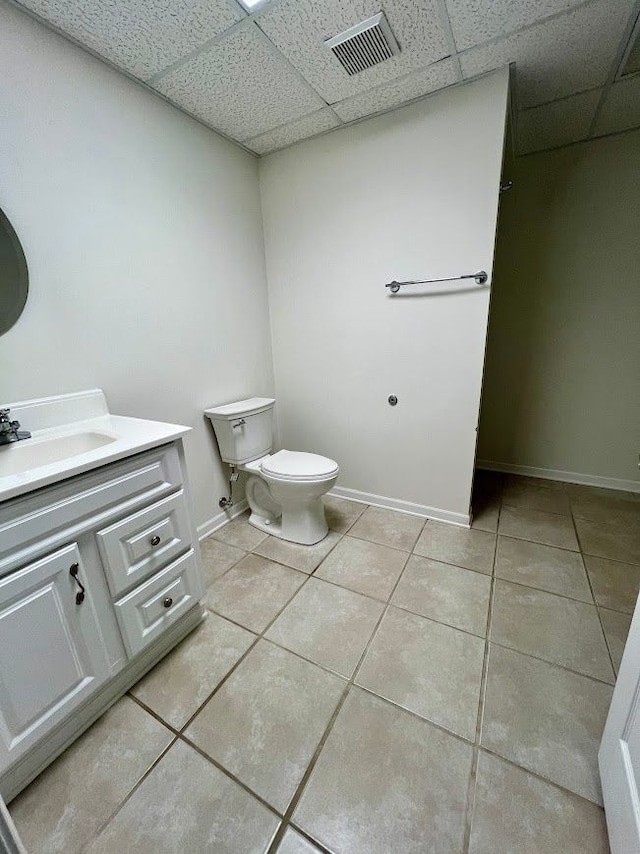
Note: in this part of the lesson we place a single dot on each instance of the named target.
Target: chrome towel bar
(480, 279)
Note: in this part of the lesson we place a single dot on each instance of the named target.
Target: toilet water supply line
(225, 503)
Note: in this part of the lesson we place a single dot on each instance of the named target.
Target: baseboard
(461, 519)
(220, 519)
(568, 476)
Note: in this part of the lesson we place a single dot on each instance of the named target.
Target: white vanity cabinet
(99, 577)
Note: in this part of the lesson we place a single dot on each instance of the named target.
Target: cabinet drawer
(140, 545)
(153, 606)
(52, 516)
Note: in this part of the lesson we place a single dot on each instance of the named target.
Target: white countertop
(121, 436)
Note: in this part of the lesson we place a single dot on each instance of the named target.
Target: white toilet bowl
(284, 492)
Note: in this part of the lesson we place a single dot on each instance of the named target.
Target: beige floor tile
(548, 528)
(294, 843)
(556, 570)
(240, 533)
(615, 585)
(363, 566)
(517, 480)
(341, 514)
(610, 540)
(388, 527)
(304, 558)
(267, 720)
(181, 682)
(470, 549)
(253, 591)
(517, 813)
(533, 496)
(217, 558)
(604, 505)
(187, 805)
(445, 593)
(64, 807)
(546, 719)
(327, 624)
(616, 629)
(563, 631)
(386, 782)
(485, 513)
(427, 668)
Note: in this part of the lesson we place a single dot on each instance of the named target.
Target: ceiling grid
(263, 77)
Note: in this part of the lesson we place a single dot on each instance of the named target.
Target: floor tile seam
(229, 774)
(295, 568)
(456, 565)
(485, 661)
(591, 604)
(540, 543)
(628, 614)
(174, 730)
(235, 563)
(470, 803)
(307, 660)
(376, 543)
(492, 752)
(536, 509)
(604, 634)
(554, 664)
(435, 620)
(297, 795)
(103, 826)
(327, 732)
(359, 592)
(610, 559)
(306, 835)
(537, 543)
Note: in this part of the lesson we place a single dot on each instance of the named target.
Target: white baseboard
(460, 519)
(567, 476)
(220, 519)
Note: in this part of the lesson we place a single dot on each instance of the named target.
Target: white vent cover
(364, 45)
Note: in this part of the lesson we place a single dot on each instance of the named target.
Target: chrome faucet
(9, 429)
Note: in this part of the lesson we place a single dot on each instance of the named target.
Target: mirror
(14, 276)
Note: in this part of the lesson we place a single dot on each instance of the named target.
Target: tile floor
(401, 687)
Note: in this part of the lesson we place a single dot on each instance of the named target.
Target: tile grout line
(293, 803)
(604, 634)
(471, 792)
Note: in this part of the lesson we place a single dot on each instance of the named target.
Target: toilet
(285, 489)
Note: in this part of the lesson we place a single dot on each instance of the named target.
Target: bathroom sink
(20, 457)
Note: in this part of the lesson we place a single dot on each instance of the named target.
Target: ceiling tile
(621, 109)
(559, 57)
(240, 86)
(558, 123)
(476, 21)
(140, 36)
(397, 92)
(293, 132)
(299, 28)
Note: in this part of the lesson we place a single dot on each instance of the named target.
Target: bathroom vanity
(99, 570)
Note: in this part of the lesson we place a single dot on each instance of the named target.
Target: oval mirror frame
(14, 280)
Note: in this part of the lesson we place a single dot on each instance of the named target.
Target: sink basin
(19, 457)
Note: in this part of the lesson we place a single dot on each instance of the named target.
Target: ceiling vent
(365, 45)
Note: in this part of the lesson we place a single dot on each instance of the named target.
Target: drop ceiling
(264, 77)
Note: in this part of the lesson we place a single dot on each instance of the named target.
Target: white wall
(563, 360)
(143, 236)
(412, 194)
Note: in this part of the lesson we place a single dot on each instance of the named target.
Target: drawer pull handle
(168, 602)
(155, 541)
(73, 572)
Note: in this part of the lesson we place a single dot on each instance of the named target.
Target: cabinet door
(51, 651)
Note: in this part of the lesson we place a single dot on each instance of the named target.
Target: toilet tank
(244, 430)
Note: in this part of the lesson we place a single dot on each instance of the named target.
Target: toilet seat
(299, 466)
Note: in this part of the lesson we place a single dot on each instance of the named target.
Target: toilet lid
(298, 465)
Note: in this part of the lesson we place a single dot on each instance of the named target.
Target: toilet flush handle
(240, 423)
